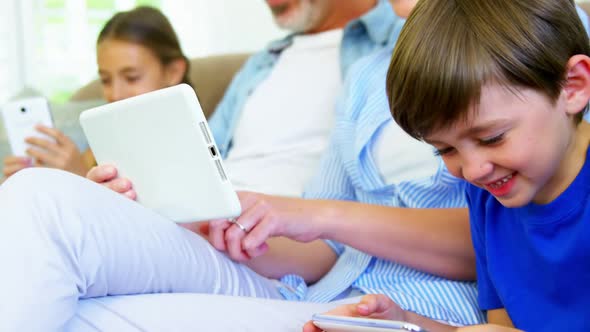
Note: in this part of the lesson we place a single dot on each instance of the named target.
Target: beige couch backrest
(585, 6)
(210, 77)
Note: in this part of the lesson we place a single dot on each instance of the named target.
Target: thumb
(373, 304)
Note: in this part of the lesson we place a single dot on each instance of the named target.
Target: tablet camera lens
(23, 110)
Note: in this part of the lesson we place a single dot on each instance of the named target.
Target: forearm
(309, 260)
(435, 241)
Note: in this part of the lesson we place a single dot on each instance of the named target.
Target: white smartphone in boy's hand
(331, 323)
(20, 118)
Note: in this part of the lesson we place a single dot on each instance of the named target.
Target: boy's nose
(477, 169)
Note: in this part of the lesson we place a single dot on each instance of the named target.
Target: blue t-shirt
(534, 261)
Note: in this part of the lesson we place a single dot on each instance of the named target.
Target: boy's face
(512, 145)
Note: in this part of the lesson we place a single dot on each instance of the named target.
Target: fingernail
(109, 169)
(363, 307)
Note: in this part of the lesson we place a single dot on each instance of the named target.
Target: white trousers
(64, 238)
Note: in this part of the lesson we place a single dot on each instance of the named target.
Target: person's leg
(63, 237)
(192, 312)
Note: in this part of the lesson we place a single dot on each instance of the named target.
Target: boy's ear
(577, 87)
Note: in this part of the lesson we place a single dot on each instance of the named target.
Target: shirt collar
(373, 22)
(278, 46)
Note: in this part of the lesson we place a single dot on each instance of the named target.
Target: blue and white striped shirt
(348, 172)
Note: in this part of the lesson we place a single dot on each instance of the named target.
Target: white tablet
(162, 143)
(331, 323)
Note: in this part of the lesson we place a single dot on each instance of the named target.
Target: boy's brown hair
(449, 49)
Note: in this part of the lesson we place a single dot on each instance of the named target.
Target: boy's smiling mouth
(501, 187)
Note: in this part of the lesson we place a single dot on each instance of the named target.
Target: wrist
(325, 219)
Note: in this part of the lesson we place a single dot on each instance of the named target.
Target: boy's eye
(444, 151)
(492, 140)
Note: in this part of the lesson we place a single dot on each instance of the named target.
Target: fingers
(251, 219)
(262, 218)
(309, 327)
(348, 310)
(254, 243)
(106, 175)
(122, 186)
(43, 157)
(233, 242)
(62, 144)
(59, 137)
(13, 164)
(257, 251)
(131, 194)
(374, 304)
(43, 144)
(102, 173)
(61, 152)
(217, 233)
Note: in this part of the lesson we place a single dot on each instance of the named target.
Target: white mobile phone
(20, 118)
(331, 323)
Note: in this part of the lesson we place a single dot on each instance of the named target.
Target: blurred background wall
(49, 45)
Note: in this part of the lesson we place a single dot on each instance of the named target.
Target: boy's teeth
(502, 181)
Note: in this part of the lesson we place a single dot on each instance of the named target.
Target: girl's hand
(61, 153)
(13, 164)
(106, 175)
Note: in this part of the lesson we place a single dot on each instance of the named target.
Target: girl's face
(518, 146)
(128, 69)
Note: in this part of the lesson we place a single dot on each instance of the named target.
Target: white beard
(304, 18)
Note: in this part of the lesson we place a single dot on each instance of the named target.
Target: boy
(502, 105)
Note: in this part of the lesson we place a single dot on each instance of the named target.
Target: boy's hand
(13, 164)
(106, 175)
(371, 306)
(61, 153)
(263, 217)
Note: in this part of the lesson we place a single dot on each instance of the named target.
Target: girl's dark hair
(147, 26)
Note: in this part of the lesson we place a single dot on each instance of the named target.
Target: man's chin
(289, 25)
